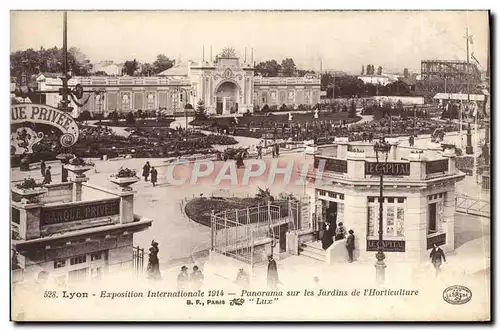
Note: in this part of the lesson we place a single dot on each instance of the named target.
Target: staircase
(313, 250)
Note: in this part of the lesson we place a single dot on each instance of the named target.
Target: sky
(341, 40)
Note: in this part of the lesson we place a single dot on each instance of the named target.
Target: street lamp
(381, 148)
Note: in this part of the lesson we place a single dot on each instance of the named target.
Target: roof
(50, 75)
(178, 70)
(459, 96)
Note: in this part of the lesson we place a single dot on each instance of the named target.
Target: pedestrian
(43, 167)
(327, 239)
(183, 279)
(153, 268)
(273, 149)
(242, 278)
(272, 273)
(154, 176)
(277, 150)
(47, 179)
(437, 257)
(145, 171)
(259, 152)
(340, 232)
(350, 245)
(196, 278)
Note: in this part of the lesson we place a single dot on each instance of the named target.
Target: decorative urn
(124, 178)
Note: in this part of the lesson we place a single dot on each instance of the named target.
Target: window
(78, 275)
(392, 216)
(96, 273)
(432, 228)
(96, 256)
(78, 259)
(59, 264)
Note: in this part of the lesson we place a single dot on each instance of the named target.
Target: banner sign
(56, 215)
(390, 168)
(335, 165)
(42, 114)
(389, 245)
(432, 167)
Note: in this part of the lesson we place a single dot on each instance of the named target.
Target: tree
(147, 69)
(228, 52)
(84, 116)
(302, 73)
(78, 62)
(100, 73)
(352, 110)
(368, 69)
(288, 67)
(379, 70)
(201, 110)
(113, 116)
(362, 70)
(162, 63)
(32, 62)
(130, 67)
(406, 74)
(268, 68)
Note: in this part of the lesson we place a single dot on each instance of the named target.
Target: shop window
(78, 275)
(60, 280)
(392, 217)
(59, 264)
(78, 259)
(341, 196)
(96, 273)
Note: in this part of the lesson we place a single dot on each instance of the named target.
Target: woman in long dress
(327, 239)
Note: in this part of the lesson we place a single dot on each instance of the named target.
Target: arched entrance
(227, 98)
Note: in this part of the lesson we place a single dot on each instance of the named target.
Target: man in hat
(437, 257)
(196, 278)
(154, 176)
(183, 279)
(272, 273)
(350, 245)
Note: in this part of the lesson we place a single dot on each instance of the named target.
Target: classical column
(224, 105)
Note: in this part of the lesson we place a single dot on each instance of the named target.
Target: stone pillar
(355, 165)
(341, 147)
(449, 219)
(224, 110)
(77, 188)
(29, 220)
(417, 166)
(416, 227)
(355, 205)
(292, 242)
(126, 207)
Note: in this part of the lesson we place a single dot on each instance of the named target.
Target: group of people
(193, 281)
(148, 170)
(333, 233)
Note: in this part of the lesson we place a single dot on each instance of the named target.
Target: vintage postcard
(250, 166)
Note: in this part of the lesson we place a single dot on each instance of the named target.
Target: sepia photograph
(278, 166)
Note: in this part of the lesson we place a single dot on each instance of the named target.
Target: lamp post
(382, 150)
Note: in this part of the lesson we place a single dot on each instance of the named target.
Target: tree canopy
(162, 63)
(269, 68)
(32, 62)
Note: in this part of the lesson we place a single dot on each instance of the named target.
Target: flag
(471, 41)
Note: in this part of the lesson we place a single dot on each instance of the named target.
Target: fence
(466, 204)
(138, 260)
(244, 233)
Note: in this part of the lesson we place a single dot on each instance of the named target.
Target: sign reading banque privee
(44, 114)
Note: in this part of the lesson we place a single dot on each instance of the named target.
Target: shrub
(113, 116)
(265, 108)
(273, 108)
(283, 107)
(84, 116)
(130, 119)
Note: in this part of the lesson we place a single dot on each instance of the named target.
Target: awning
(459, 96)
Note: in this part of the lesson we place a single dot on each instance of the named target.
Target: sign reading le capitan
(390, 168)
(44, 114)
